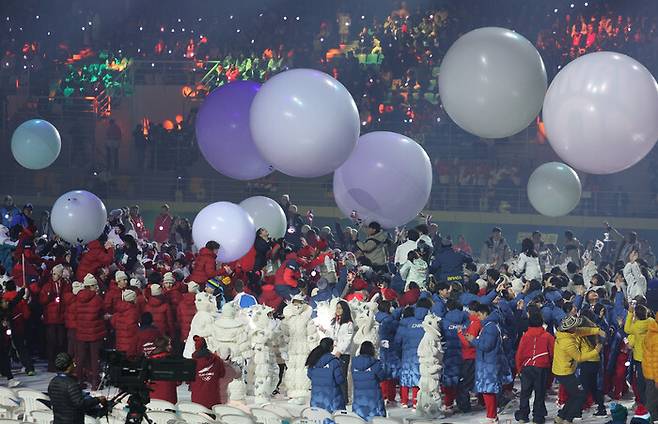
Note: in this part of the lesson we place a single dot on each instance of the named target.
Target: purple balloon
(387, 178)
(223, 134)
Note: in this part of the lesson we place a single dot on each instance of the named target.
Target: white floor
(41, 380)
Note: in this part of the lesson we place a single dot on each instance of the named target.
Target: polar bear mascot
(430, 356)
(263, 334)
(203, 323)
(301, 336)
(367, 328)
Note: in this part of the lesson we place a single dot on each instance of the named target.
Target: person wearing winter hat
(209, 370)
(163, 390)
(125, 323)
(187, 309)
(568, 352)
(168, 278)
(113, 295)
(158, 306)
(51, 297)
(90, 332)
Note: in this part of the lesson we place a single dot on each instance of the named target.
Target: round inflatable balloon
(388, 179)
(36, 144)
(304, 122)
(227, 224)
(223, 134)
(267, 214)
(600, 113)
(492, 82)
(78, 217)
(554, 189)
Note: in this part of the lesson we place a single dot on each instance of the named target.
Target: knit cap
(156, 290)
(129, 296)
(192, 287)
(89, 281)
(76, 287)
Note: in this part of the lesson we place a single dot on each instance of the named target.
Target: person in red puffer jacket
(163, 390)
(90, 331)
(160, 309)
(187, 309)
(205, 266)
(125, 322)
(411, 295)
(467, 372)
(69, 317)
(534, 358)
(52, 299)
(147, 334)
(209, 370)
(96, 256)
(113, 295)
(19, 315)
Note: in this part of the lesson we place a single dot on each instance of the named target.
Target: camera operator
(68, 401)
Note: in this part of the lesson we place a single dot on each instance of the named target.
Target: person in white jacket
(415, 269)
(343, 335)
(528, 262)
(636, 283)
(406, 247)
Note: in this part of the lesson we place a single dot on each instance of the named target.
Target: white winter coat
(636, 284)
(415, 271)
(403, 250)
(529, 267)
(343, 335)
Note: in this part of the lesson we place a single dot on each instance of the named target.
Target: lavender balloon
(223, 134)
(387, 178)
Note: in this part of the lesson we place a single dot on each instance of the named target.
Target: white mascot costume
(264, 332)
(231, 335)
(302, 336)
(203, 323)
(430, 356)
(367, 328)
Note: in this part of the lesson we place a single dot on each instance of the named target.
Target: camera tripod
(136, 406)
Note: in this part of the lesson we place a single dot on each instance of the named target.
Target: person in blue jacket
(327, 291)
(491, 367)
(388, 326)
(443, 290)
(448, 264)
(367, 373)
(326, 375)
(452, 322)
(408, 337)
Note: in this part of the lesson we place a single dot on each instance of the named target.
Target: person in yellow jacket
(650, 368)
(571, 348)
(637, 322)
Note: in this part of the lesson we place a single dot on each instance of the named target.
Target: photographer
(68, 401)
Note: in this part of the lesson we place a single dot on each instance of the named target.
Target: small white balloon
(304, 122)
(267, 214)
(492, 82)
(600, 113)
(36, 144)
(554, 189)
(78, 217)
(227, 224)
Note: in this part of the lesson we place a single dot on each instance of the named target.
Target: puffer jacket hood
(324, 360)
(363, 362)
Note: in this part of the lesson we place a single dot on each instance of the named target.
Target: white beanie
(129, 296)
(168, 278)
(156, 290)
(90, 281)
(135, 283)
(58, 268)
(76, 287)
(120, 275)
(192, 287)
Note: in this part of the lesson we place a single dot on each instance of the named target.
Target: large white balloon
(388, 179)
(78, 216)
(554, 189)
(36, 144)
(267, 214)
(304, 122)
(227, 224)
(492, 82)
(600, 113)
